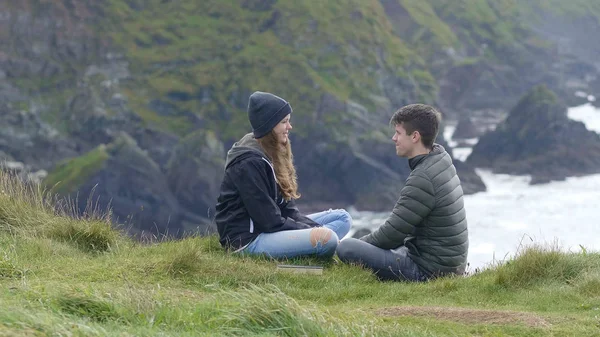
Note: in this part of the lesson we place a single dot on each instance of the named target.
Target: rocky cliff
(91, 90)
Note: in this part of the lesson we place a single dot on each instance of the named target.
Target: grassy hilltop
(77, 276)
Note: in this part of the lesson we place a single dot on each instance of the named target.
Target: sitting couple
(425, 235)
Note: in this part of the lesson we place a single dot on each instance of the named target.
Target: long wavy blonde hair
(283, 164)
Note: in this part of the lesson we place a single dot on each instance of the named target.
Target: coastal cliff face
(139, 100)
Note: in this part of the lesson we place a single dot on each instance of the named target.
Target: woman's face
(282, 130)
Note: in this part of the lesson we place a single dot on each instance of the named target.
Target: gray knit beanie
(265, 110)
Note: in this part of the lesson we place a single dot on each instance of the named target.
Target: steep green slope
(204, 58)
(75, 75)
(207, 57)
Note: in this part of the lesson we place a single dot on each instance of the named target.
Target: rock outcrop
(470, 182)
(538, 138)
(26, 138)
(466, 129)
(195, 171)
(123, 177)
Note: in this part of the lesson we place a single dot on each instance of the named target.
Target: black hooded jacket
(250, 202)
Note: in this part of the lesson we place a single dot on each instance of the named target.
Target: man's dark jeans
(387, 264)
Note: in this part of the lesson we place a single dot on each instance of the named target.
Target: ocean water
(512, 214)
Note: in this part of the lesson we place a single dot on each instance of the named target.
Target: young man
(426, 234)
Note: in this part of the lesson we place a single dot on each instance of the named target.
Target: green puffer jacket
(429, 218)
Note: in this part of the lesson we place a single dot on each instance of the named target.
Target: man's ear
(416, 136)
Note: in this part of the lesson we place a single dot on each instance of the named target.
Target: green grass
(66, 177)
(426, 17)
(74, 274)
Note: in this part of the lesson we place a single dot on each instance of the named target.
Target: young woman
(256, 212)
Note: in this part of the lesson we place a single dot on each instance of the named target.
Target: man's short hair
(419, 117)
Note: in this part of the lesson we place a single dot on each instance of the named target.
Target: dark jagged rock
(87, 118)
(366, 173)
(195, 171)
(124, 177)
(465, 129)
(470, 181)
(538, 138)
(158, 144)
(26, 138)
(339, 175)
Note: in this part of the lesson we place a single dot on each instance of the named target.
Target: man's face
(404, 142)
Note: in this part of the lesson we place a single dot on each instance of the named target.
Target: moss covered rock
(124, 177)
(538, 138)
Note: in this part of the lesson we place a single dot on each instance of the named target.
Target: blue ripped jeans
(319, 241)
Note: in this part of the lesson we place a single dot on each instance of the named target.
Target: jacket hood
(247, 146)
